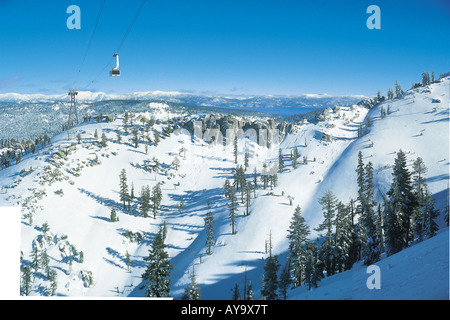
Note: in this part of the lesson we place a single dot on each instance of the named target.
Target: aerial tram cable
(115, 71)
(89, 42)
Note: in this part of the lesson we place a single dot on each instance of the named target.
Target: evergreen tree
(419, 185)
(298, 233)
(430, 214)
(51, 291)
(123, 187)
(232, 205)
(248, 189)
(390, 94)
(285, 281)
(113, 215)
(236, 295)
(313, 266)
(128, 260)
(181, 204)
(135, 137)
(328, 203)
(34, 255)
(25, 287)
(295, 157)
(210, 237)
(353, 249)
(246, 155)
(249, 295)
(403, 204)
(270, 285)
(156, 277)
(280, 160)
(371, 245)
(45, 262)
(192, 290)
(144, 201)
(342, 237)
(398, 90)
(156, 199)
(104, 141)
(264, 176)
(235, 150)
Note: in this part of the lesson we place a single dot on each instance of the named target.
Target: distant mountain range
(283, 105)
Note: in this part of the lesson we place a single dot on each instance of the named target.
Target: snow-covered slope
(73, 186)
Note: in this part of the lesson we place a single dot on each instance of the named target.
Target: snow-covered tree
(298, 233)
(144, 201)
(270, 285)
(210, 236)
(123, 187)
(192, 290)
(328, 203)
(156, 277)
(313, 266)
(156, 199)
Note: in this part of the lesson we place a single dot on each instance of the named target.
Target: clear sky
(223, 46)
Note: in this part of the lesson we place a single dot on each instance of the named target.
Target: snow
(80, 217)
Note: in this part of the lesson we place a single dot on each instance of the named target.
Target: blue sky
(223, 46)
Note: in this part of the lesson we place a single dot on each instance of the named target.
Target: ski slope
(77, 203)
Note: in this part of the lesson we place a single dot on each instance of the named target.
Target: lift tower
(73, 109)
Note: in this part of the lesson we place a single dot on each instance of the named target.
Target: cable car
(115, 72)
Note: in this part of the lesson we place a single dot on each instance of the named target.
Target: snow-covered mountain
(72, 185)
(283, 105)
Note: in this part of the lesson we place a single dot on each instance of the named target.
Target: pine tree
(51, 291)
(280, 160)
(264, 176)
(430, 214)
(246, 156)
(227, 189)
(285, 281)
(328, 203)
(236, 295)
(270, 285)
(398, 90)
(342, 237)
(128, 260)
(135, 137)
(25, 287)
(390, 94)
(313, 266)
(45, 262)
(295, 158)
(123, 187)
(210, 237)
(403, 203)
(235, 150)
(249, 294)
(232, 205)
(419, 186)
(156, 277)
(248, 189)
(192, 290)
(298, 233)
(180, 204)
(104, 141)
(35, 258)
(144, 201)
(113, 215)
(156, 199)
(371, 245)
